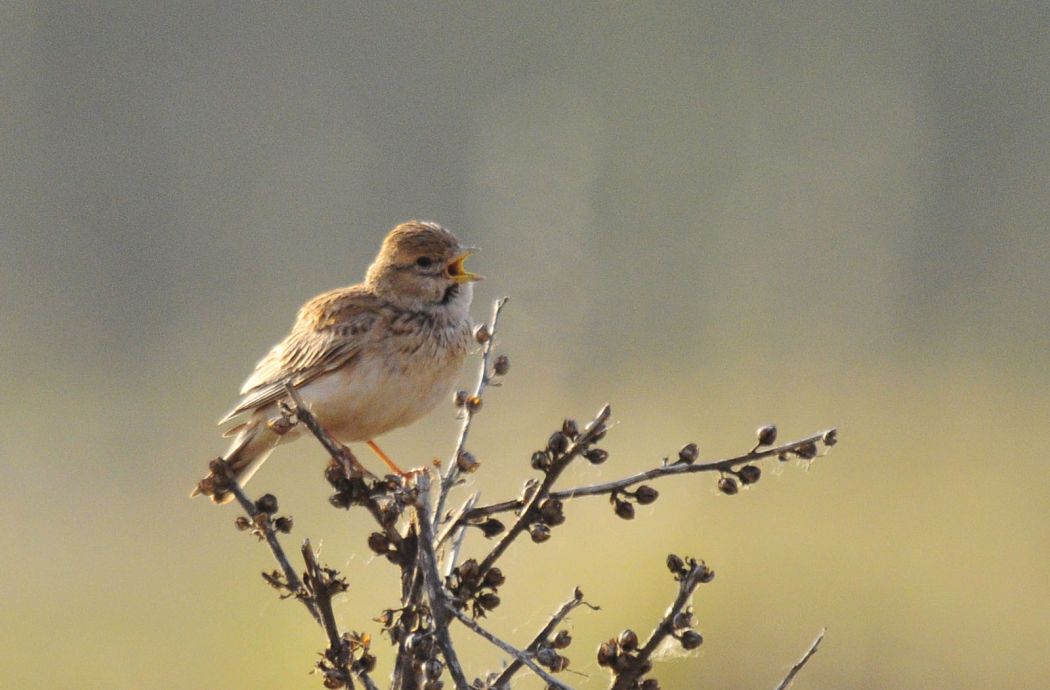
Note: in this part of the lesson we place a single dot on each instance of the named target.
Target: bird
(365, 359)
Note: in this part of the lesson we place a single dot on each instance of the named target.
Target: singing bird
(366, 358)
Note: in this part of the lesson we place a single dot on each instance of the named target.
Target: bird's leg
(391, 464)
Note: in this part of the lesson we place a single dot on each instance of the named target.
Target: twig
(318, 586)
(802, 662)
(428, 564)
(640, 664)
(527, 516)
(334, 448)
(295, 585)
(648, 475)
(509, 649)
(458, 532)
(484, 378)
(502, 681)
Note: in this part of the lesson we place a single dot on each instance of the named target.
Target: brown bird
(366, 358)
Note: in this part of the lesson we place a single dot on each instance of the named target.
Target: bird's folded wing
(329, 331)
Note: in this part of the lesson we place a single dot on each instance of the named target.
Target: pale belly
(369, 397)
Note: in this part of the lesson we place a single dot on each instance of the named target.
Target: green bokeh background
(711, 216)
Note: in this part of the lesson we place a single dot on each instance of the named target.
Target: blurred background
(711, 217)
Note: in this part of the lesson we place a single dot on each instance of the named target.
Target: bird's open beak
(457, 272)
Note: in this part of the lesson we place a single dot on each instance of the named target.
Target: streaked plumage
(366, 358)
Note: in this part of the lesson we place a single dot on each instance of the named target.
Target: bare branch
(509, 649)
(593, 430)
(335, 449)
(484, 378)
(648, 475)
(635, 664)
(502, 681)
(802, 662)
(263, 522)
(457, 532)
(438, 597)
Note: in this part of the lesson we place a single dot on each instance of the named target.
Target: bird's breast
(391, 383)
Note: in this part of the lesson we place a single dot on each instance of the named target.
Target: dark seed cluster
(266, 518)
(473, 589)
(353, 657)
(548, 652)
(383, 497)
(628, 659)
(412, 628)
(623, 500)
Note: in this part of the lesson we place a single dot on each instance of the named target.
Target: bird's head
(420, 265)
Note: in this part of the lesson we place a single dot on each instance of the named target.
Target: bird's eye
(424, 262)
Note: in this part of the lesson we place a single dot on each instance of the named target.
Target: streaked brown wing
(329, 331)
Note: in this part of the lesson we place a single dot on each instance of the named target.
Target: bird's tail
(249, 450)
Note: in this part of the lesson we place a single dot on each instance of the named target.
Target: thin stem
(484, 378)
(553, 472)
(295, 585)
(323, 599)
(509, 649)
(648, 475)
(802, 662)
(503, 680)
(686, 586)
(428, 564)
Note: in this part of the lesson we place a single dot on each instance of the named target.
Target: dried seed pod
(570, 428)
(367, 663)
(551, 512)
(749, 474)
(481, 334)
(691, 639)
(628, 640)
(545, 656)
(728, 486)
(494, 577)
(675, 563)
(466, 462)
(501, 366)
(539, 532)
(340, 500)
(283, 524)
(488, 600)
(560, 663)
(541, 461)
(607, 653)
(267, 503)
(650, 684)
(830, 438)
(689, 453)
(242, 523)
(623, 509)
(491, 527)
(596, 456)
(459, 399)
(433, 668)
(469, 570)
(558, 443)
(645, 494)
(562, 640)
(767, 435)
(378, 542)
(334, 473)
(807, 451)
